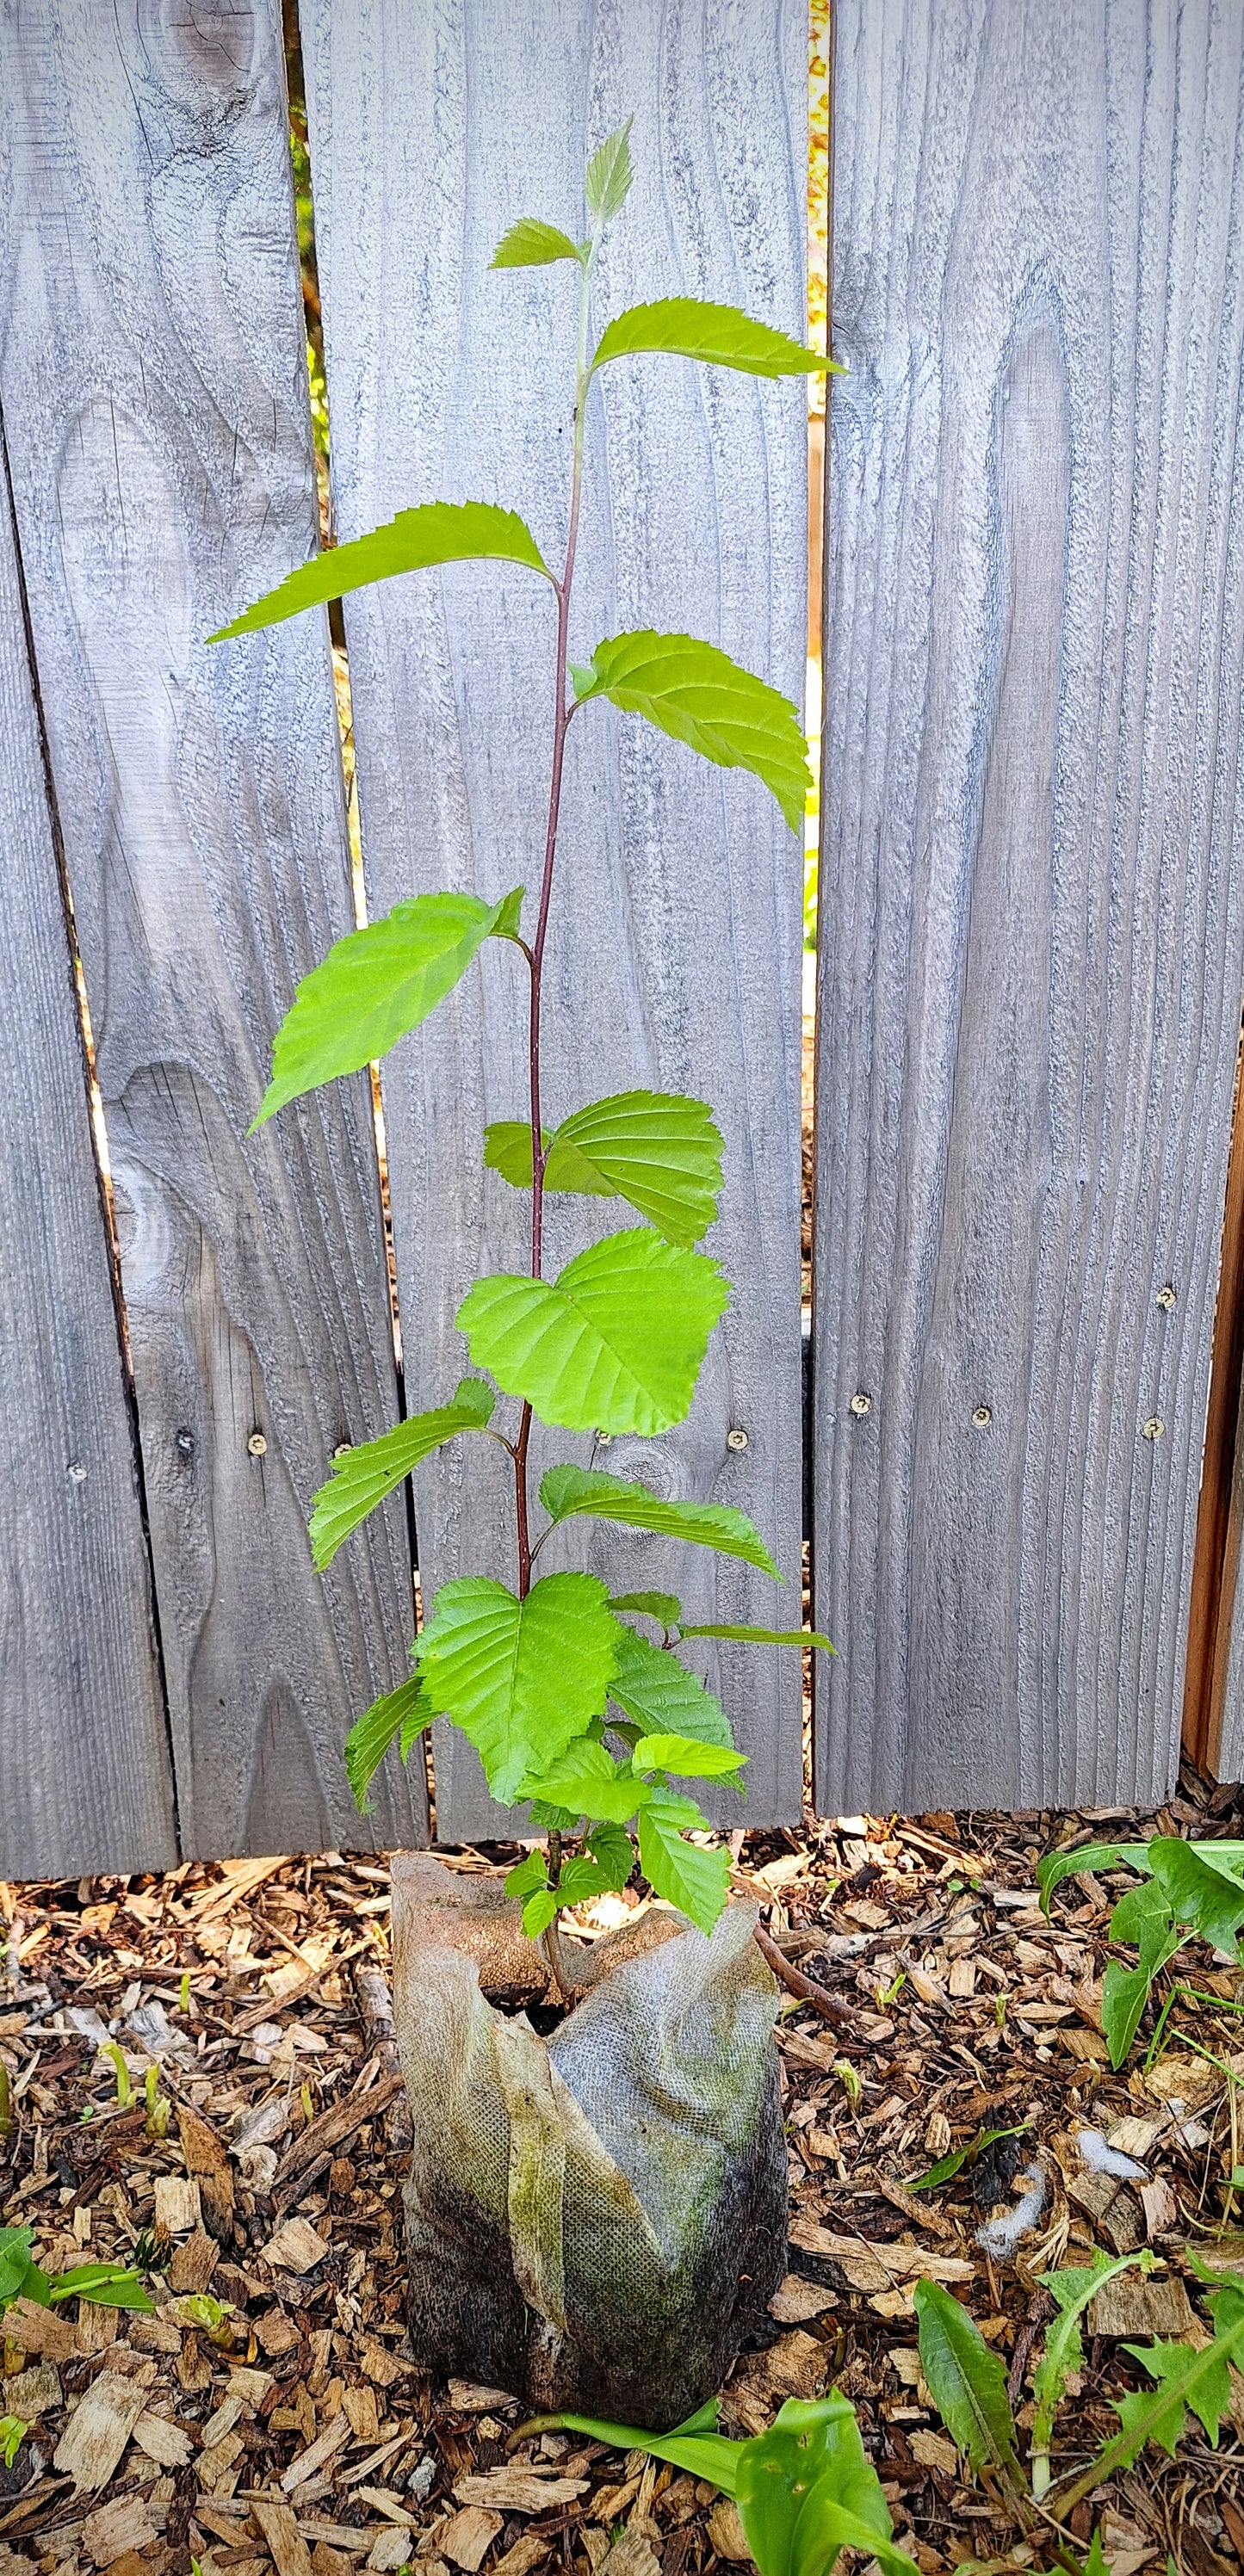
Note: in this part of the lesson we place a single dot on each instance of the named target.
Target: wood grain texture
(84, 1756)
(1032, 898)
(675, 940)
(153, 377)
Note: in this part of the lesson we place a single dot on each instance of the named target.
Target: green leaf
(687, 1758)
(1143, 1916)
(363, 1476)
(966, 2380)
(1203, 1883)
(614, 1855)
(657, 1149)
(527, 1875)
(948, 2166)
(377, 984)
(1058, 1865)
(806, 2489)
(15, 2245)
(695, 693)
(615, 1343)
(565, 1491)
(439, 532)
(103, 2285)
(585, 1780)
(664, 1607)
(683, 1873)
(521, 1679)
(609, 176)
(681, 326)
(1185, 2379)
(405, 1712)
(1072, 2291)
(12, 2435)
(694, 2445)
(758, 1636)
(661, 1697)
(531, 244)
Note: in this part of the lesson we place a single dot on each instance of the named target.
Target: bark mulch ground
(291, 2426)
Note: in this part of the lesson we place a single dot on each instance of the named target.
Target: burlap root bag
(597, 2220)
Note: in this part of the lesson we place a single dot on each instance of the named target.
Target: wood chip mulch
(297, 2431)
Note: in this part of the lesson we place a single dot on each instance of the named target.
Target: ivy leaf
(521, 1678)
(405, 1712)
(664, 1607)
(681, 326)
(609, 176)
(363, 1476)
(531, 244)
(694, 692)
(658, 1149)
(683, 1873)
(585, 1780)
(759, 1636)
(439, 532)
(377, 984)
(566, 1491)
(966, 2380)
(661, 1697)
(688, 1758)
(614, 1343)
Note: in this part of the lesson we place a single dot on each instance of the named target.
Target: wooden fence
(1032, 897)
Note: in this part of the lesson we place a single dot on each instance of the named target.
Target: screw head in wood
(1166, 1297)
(982, 1417)
(736, 1439)
(76, 1472)
(343, 1449)
(185, 1442)
(603, 1439)
(861, 1403)
(1154, 1427)
(257, 1444)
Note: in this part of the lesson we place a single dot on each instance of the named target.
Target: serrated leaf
(661, 1697)
(365, 1475)
(695, 693)
(659, 1150)
(1072, 2291)
(438, 532)
(521, 1679)
(966, 2380)
(1185, 2378)
(585, 1780)
(688, 1758)
(614, 1854)
(531, 244)
(615, 1343)
(377, 984)
(609, 176)
(402, 1712)
(664, 1607)
(758, 1636)
(527, 1875)
(681, 326)
(685, 1874)
(568, 1491)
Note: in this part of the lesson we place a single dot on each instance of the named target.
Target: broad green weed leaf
(688, 1758)
(657, 1149)
(103, 2285)
(1143, 1916)
(437, 533)
(13, 2433)
(661, 1697)
(609, 176)
(695, 2445)
(531, 244)
(966, 2380)
(363, 1476)
(758, 1636)
(403, 1712)
(664, 1607)
(375, 985)
(15, 2260)
(1203, 1884)
(1058, 1865)
(565, 1491)
(614, 1343)
(521, 1679)
(806, 2489)
(687, 1875)
(698, 695)
(680, 326)
(586, 1781)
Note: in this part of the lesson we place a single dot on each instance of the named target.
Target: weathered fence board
(153, 381)
(84, 1760)
(676, 928)
(1032, 897)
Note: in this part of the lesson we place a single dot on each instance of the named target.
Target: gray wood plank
(1032, 891)
(154, 380)
(674, 951)
(84, 1755)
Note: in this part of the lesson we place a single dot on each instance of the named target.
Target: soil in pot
(595, 2219)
